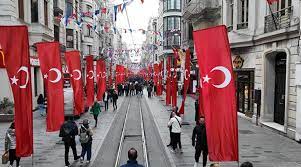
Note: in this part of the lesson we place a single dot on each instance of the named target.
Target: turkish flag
(218, 92)
(51, 67)
(15, 47)
(168, 81)
(101, 79)
(186, 80)
(2, 58)
(174, 88)
(271, 1)
(74, 66)
(90, 81)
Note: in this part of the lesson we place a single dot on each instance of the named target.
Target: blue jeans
(41, 109)
(86, 148)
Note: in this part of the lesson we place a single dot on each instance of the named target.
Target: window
(243, 14)
(230, 15)
(89, 49)
(69, 38)
(171, 5)
(76, 9)
(190, 31)
(280, 5)
(34, 11)
(89, 31)
(69, 8)
(56, 33)
(171, 27)
(76, 42)
(46, 13)
(21, 9)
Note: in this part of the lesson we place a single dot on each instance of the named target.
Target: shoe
(77, 158)
(196, 164)
(168, 145)
(10, 166)
(172, 151)
(81, 160)
(88, 162)
(181, 151)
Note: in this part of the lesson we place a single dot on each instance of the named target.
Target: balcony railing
(278, 20)
(207, 9)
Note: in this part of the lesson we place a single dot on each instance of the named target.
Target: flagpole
(276, 27)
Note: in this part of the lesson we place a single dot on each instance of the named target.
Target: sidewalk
(260, 146)
(48, 147)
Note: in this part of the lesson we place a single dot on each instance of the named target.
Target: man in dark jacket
(196, 107)
(132, 162)
(68, 132)
(199, 141)
(114, 97)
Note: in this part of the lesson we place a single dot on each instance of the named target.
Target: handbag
(5, 157)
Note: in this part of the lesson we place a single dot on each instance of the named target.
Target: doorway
(280, 84)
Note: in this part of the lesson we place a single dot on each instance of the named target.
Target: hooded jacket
(10, 139)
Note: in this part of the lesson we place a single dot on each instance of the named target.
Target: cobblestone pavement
(261, 146)
(48, 147)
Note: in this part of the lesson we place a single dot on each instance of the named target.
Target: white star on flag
(14, 80)
(206, 79)
(45, 76)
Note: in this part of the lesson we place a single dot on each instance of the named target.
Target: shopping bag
(5, 158)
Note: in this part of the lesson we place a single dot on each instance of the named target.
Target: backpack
(83, 136)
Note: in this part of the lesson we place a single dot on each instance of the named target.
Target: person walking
(115, 97)
(199, 141)
(175, 123)
(196, 107)
(106, 100)
(170, 127)
(85, 138)
(41, 102)
(10, 145)
(149, 91)
(132, 162)
(95, 110)
(68, 132)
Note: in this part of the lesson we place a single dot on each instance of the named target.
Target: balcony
(57, 11)
(278, 20)
(201, 10)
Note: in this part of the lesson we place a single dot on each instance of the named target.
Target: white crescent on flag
(79, 74)
(58, 74)
(227, 76)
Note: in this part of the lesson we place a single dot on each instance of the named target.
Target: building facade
(73, 23)
(265, 56)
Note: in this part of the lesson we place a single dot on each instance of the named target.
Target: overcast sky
(139, 15)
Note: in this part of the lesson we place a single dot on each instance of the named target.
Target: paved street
(48, 148)
(261, 146)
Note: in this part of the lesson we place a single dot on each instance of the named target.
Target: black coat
(196, 107)
(199, 137)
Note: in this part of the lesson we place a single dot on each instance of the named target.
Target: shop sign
(238, 62)
(34, 61)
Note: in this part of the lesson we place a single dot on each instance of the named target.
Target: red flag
(51, 67)
(218, 92)
(74, 66)
(168, 81)
(15, 47)
(174, 79)
(160, 78)
(90, 81)
(186, 80)
(101, 79)
(271, 1)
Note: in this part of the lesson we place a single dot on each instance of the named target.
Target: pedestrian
(176, 123)
(132, 162)
(246, 164)
(41, 102)
(10, 145)
(126, 88)
(149, 91)
(95, 110)
(196, 107)
(199, 141)
(85, 138)
(68, 132)
(114, 97)
(106, 100)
